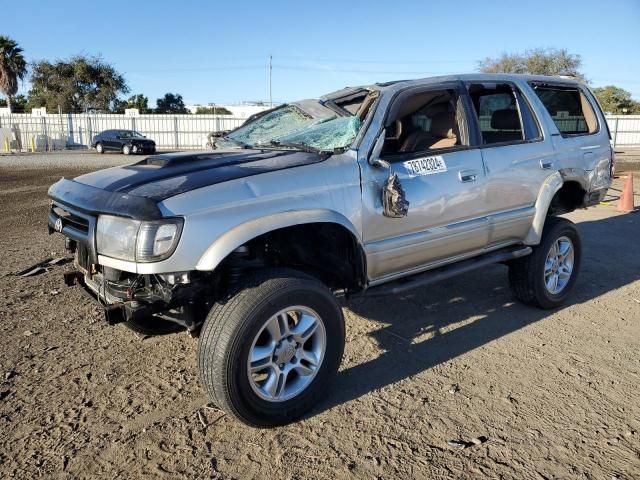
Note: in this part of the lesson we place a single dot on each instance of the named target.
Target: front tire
(99, 148)
(267, 354)
(126, 150)
(546, 278)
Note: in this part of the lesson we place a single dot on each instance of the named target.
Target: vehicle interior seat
(505, 126)
(442, 134)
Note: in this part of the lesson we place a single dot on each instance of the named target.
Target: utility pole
(270, 75)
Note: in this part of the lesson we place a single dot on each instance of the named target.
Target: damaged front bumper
(143, 297)
(180, 297)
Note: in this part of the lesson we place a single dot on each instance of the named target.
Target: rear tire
(546, 278)
(99, 148)
(126, 150)
(279, 320)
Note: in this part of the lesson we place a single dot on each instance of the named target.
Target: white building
(239, 110)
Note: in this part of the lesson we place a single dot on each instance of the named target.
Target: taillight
(613, 162)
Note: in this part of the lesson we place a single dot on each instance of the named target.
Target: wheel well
(567, 199)
(327, 251)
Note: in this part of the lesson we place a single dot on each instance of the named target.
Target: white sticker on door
(426, 165)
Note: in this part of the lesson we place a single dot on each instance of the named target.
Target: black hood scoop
(162, 176)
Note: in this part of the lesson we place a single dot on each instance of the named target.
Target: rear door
(580, 136)
(516, 157)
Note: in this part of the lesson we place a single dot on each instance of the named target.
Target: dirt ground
(545, 394)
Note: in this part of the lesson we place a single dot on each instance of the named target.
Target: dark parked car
(125, 141)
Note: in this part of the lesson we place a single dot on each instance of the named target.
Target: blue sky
(218, 51)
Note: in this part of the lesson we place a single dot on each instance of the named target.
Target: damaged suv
(371, 190)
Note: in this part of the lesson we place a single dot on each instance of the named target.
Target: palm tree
(12, 67)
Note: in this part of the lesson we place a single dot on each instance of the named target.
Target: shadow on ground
(419, 330)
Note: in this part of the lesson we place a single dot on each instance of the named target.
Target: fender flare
(549, 188)
(242, 233)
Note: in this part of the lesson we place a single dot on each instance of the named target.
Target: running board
(398, 287)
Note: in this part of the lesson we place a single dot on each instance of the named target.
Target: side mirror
(375, 159)
(394, 200)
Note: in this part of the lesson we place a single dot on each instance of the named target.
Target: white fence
(26, 132)
(74, 131)
(625, 130)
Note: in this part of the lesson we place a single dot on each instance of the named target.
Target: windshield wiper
(237, 142)
(296, 145)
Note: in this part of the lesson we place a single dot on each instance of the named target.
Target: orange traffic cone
(626, 199)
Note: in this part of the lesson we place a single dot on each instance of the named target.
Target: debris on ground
(462, 444)
(454, 389)
(41, 267)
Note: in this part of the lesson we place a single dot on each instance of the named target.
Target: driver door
(427, 145)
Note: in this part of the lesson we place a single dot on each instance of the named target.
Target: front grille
(77, 226)
(79, 223)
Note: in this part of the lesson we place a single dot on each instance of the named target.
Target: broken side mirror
(394, 201)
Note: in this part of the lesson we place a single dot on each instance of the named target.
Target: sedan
(125, 141)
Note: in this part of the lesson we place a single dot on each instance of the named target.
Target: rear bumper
(594, 197)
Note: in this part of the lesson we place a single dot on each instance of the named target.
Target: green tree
(212, 110)
(138, 101)
(171, 103)
(616, 100)
(538, 61)
(13, 67)
(76, 85)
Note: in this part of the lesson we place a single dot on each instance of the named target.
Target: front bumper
(125, 302)
(143, 148)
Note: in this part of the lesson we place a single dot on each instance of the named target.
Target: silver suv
(370, 190)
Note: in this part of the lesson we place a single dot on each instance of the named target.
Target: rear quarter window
(569, 109)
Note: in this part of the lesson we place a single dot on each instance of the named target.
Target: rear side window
(503, 114)
(569, 108)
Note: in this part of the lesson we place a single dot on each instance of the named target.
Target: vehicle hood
(162, 176)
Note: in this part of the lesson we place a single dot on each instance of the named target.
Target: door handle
(546, 164)
(468, 175)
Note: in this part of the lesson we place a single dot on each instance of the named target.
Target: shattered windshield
(270, 126)
(290, 127)
(326, 136)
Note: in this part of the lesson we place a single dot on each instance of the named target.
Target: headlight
(137, 241)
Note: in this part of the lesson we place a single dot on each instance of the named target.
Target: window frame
(521, 100)
(567, 86)
(404, 94)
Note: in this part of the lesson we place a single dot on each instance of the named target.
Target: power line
(332, 69)
(378, 60)
(340, 70)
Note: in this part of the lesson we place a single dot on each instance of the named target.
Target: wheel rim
(559, 265)
(99, 148)
(125, 150)
(286, 354)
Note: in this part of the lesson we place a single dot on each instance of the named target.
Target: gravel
(88, 400)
